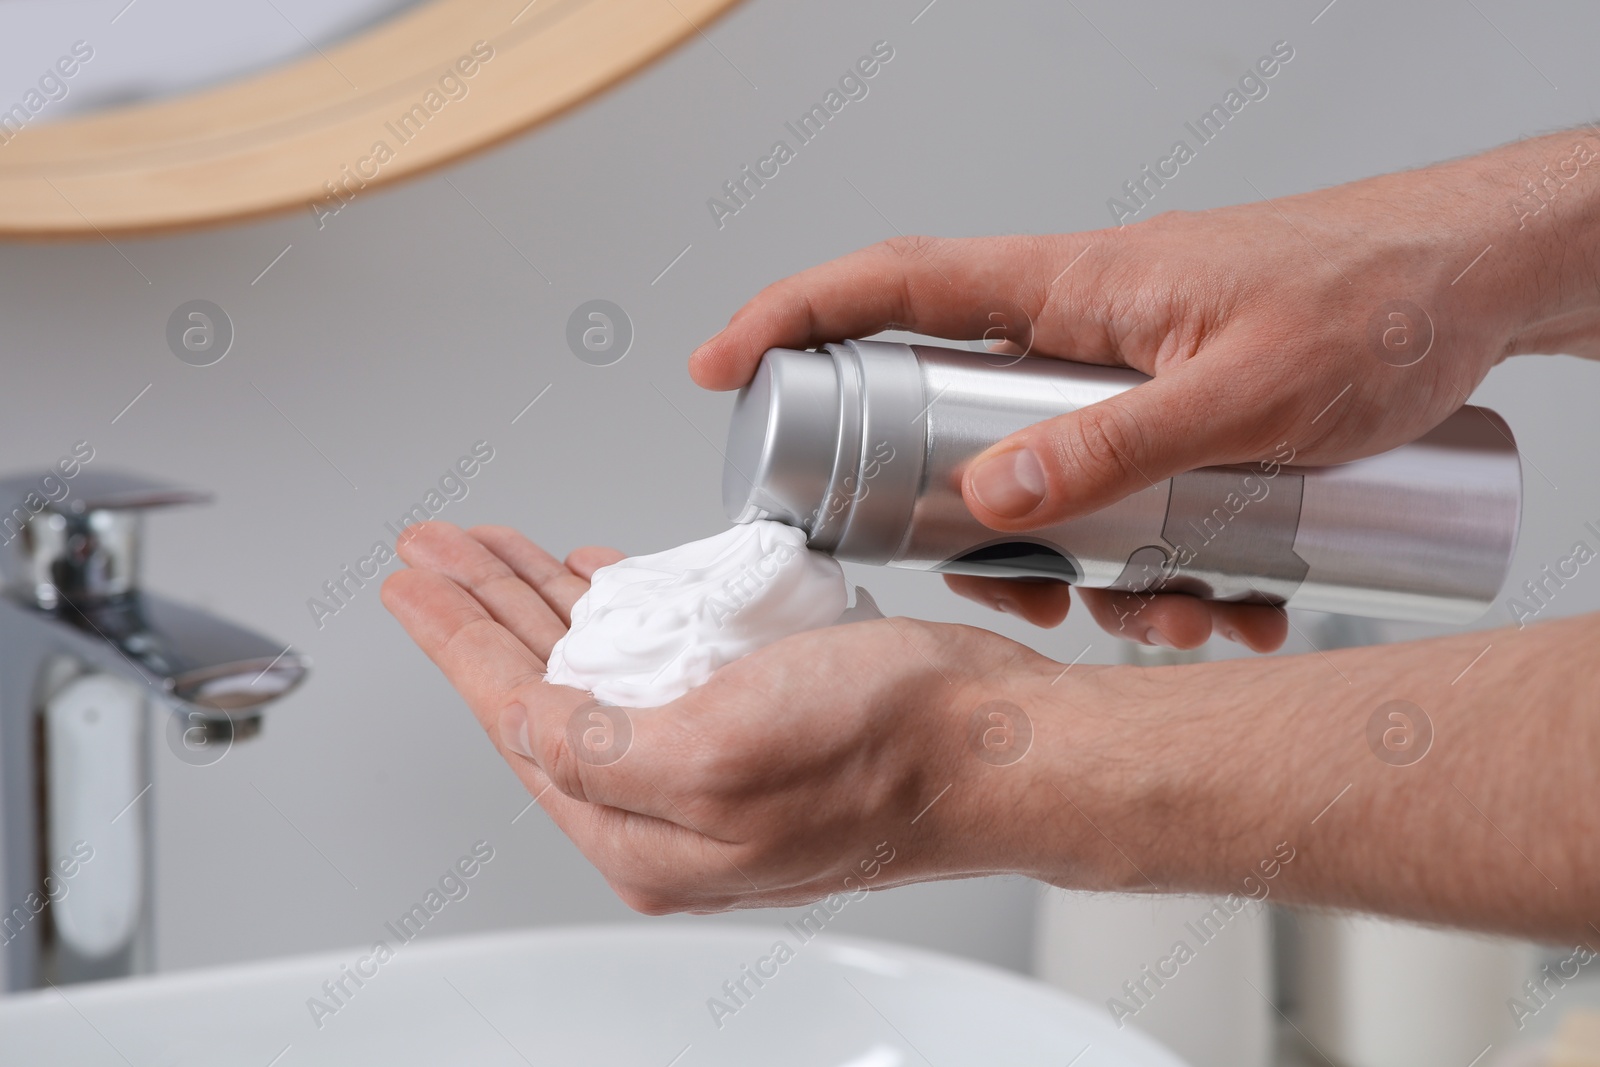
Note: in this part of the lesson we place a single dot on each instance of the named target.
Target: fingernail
(514, 730)
(1006, 605)
(1010, 484)
(1230, 634)
(1154, 637)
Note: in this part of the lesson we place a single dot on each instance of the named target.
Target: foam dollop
(653, 627)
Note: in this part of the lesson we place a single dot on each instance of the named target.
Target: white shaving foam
(653, 627)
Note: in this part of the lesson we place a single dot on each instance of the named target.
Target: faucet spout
(204, 665)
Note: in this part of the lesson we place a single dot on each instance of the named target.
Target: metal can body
(864, 445)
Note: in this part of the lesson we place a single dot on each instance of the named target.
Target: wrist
(1541, 236)
(1146, 780)
(1101, 788)
(1009, 728)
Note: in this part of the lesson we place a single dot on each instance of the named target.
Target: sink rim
(506, 940)
(735, 937)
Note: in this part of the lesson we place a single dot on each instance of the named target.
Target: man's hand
(791, 775)
(786, 776)
(1343, 323)
(878, 753)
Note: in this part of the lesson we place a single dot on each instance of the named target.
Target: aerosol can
(862, 444)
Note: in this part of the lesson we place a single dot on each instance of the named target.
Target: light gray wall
(411, 326)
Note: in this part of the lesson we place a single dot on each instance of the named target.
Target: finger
(1255, 626)
(940, 286)
(658, 866)
(530, 721)
(1085, 460)
(556, 734)
(585, 561)
(538, 568)
(504, 686)
(654, 865)
(621, 757)
(464, 559)
(1179, 621)
(478, 655)
(1173, 620)
(1043, 601)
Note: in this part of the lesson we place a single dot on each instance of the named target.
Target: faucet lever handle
(76, 538)
(116, 490)
(24, 496)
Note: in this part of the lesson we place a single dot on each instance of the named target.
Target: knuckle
(462, 640)
(490, 580)
(785, 294)
(1100, 444)
(485, 572)
(543, 573)
(767, 293)
(910, 245)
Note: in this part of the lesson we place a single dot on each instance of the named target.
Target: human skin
(768, 784)
(1253, 321)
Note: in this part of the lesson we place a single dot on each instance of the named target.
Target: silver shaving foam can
(862, 444)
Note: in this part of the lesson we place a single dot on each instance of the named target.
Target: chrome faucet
(84, 656)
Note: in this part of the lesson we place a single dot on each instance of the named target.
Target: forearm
(1203, 774)
(1532, 209)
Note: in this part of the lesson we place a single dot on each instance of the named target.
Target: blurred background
(373, 348)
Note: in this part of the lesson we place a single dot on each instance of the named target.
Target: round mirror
(160, 114)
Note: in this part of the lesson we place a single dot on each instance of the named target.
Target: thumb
(1088, 459)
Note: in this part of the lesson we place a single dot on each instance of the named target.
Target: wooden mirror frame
(430, 85)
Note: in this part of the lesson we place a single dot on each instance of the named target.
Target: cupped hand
(1338, 323)
(832, 762)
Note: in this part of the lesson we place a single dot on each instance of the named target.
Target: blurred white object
(1212, 1009)
(158, 50)
(96, 727)
(1378, 993)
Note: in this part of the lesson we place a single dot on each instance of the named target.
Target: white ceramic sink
(590, 996)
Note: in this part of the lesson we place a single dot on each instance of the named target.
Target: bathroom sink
(590, 996)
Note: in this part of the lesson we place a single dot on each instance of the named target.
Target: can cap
(780, 456)
(798, 446)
